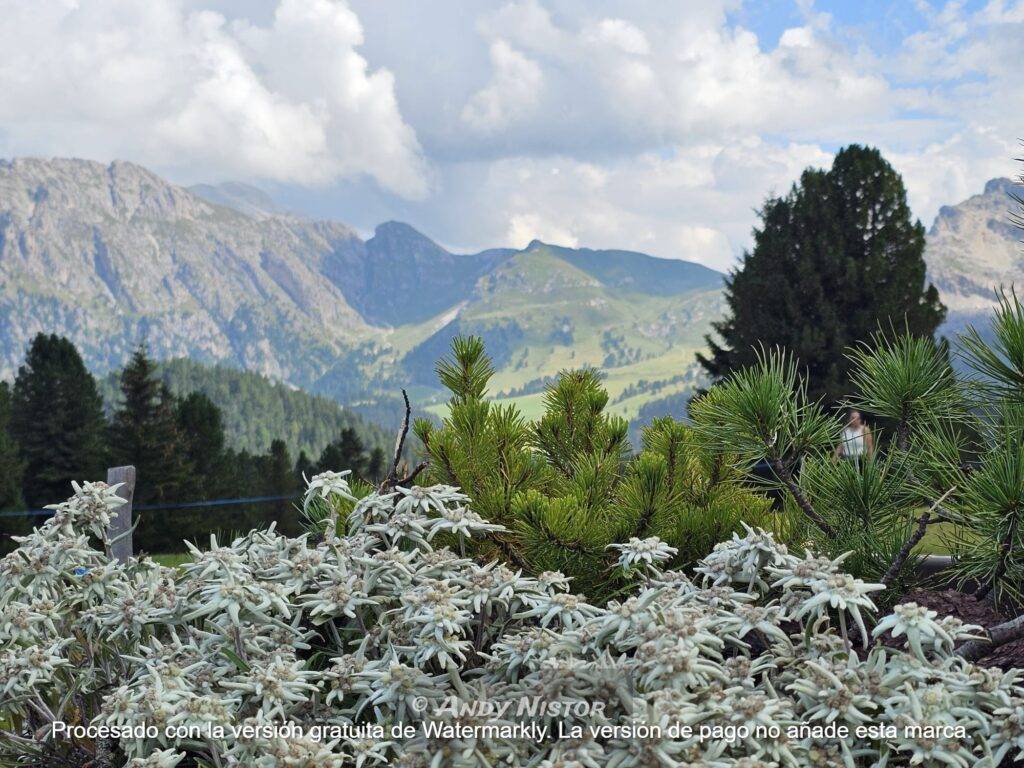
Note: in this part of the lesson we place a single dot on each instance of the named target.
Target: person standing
(857, 441)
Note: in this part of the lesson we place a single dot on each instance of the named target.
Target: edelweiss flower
(569, 609)
(164, 758)
(643, 552)
(743, 561)
(425, 500)
(842, 592)
(922, 631)
(324, 486)
(362, 630)
(460, 521)
(327, 484)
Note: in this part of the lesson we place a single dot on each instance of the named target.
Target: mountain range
(111, 255)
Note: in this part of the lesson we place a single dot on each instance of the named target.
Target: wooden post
(120, 530)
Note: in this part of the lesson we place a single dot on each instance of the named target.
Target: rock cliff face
(111, 255)
(973, 249)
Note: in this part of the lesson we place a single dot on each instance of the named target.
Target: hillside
(109, 255)
(541, 312)
(257, 410)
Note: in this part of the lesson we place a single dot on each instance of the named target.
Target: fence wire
(164, 507)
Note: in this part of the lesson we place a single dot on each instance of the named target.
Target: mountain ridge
(111, 255)
(242, 197)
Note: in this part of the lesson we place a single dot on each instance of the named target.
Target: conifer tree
(347, 452)
(56, 420)
(375, 465)
(566, 486)
(277, 478)
(304, 468)
(11, 468)
(833, 261)
(202, 429)
(145, 432)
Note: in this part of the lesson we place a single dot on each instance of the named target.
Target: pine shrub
(566, 486)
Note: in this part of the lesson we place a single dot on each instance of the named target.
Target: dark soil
(949, 602)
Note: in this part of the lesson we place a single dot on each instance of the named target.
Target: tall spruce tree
(304, 468)
(11, 467)
(145, 432)
(202, 430)
(834, 261)
(375, 465)
(347, 452)
(56, 419)
(277, 478)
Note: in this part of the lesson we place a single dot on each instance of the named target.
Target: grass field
(661, 368)
(173, 561)
(546, 314)
(937, 539)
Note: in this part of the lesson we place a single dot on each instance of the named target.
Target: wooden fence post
(120, 530)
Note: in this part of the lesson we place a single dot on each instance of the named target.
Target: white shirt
(853, 441)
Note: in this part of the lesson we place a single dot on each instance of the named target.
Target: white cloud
(526, 23)
(627, 37)
(690, 120)
(619, 82)
(292, 101)
(694, 203)
(526, 227)
(642, 124)
(510, 96)
(949, 171)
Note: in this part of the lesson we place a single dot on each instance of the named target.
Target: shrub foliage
(566, 486)
(954, 453)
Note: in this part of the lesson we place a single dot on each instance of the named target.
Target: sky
(648, 125)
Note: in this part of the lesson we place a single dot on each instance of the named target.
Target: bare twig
(782, 472)
(392, 477)
(412, 475)
(393, 480)
(908, 546)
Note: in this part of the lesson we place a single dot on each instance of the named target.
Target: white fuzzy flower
(368, 629)
(164, 758)
(923, 631)
(643, 552)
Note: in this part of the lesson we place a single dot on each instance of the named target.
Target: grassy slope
(570, 319)
(633, 317)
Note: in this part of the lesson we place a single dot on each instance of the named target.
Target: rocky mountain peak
(35, 188)
(392, 234)
(973, 249)
(1002, 186)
